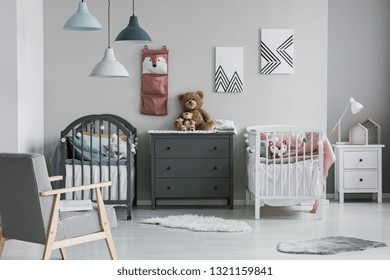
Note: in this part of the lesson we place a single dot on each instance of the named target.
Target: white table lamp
(355, 108)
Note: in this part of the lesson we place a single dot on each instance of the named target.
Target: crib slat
(274, 162)
(296, 163)
(73, 157)
(266, 163)
(90, 152)
(289, 164)
(118, 170)
(109, 151)
(311, 160)
(100, 150)
(304, 166)
(281, 165)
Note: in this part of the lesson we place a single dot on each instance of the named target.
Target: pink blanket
(301, 147)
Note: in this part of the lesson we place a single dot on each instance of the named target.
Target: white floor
(355, 218)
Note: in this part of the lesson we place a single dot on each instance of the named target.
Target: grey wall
(190, 30)
(359, 66)
(30, 75)
(21, 74)
(8, 77)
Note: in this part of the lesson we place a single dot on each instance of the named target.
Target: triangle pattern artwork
(276, 51)
(228, 69)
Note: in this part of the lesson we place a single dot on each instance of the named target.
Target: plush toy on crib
(186, 122)
(277, 148)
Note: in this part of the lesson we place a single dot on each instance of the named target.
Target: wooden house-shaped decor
(374, 131)
(358, 135)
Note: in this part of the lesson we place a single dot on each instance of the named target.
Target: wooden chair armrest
(55, 178)
(75, 189)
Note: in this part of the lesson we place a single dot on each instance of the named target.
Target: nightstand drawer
(191, 148)
(361, 179)
(181, 168)
(359, 160)
(192, 188)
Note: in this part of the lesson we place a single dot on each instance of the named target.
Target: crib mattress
(107, 174)
(300, 179)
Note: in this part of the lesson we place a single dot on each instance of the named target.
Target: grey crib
(97, 148)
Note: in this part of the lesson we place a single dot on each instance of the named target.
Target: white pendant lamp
(109, 67)
(82, 20)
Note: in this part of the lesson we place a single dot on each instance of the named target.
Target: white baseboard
(236, 202)
(200, 202)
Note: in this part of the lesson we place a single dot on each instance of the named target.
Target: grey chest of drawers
(191, 166)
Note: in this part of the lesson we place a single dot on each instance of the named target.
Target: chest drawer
(191, 148)
(361, 179)
(192, 188)
(364, 159)
(192, 168)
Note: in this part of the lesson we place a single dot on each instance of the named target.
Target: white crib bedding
(304, 178)
(105, 170)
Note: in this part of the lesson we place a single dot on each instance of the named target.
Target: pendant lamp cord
(109, 27)
(133, 7)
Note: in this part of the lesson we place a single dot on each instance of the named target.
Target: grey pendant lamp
(82, 20)
(133, 32)
(109, 67)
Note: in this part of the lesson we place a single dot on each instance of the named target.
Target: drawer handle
(215, 167)
(168, 148)
(361, 180)
(215, 187)
(361, 160)
(169, 187)
(168, 168)
(215, 148)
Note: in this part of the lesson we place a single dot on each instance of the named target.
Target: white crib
(287, 175)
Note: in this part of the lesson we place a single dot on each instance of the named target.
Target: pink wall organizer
(154, 81)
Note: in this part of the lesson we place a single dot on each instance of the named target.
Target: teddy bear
(186, 122)
(192, 102)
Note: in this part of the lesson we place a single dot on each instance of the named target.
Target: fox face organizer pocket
(154, 94)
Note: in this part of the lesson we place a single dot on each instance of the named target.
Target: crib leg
(320, 208)
(129, 211)
(257, 208)
(247, 197)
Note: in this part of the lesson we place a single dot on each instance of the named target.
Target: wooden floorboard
(135, 241)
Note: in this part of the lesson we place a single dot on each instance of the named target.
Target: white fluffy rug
(199, 223)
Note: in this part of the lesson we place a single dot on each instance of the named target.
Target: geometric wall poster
(229, 69)
(276, 51)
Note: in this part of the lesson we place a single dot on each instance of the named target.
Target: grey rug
(327, 245)
(199, 223)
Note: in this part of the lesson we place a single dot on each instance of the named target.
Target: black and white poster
(276, 51)
(229, 69)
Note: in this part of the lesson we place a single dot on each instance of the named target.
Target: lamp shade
(109, 67)
(355, 106)
(82, 20)
(133, 33)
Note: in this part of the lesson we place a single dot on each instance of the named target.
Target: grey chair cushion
(78, 223)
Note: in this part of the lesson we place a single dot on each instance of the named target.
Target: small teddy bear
(186, 122)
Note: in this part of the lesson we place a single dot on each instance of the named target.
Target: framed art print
(276, 51)
(229, 69)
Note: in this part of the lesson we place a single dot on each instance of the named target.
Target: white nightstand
(358, 169)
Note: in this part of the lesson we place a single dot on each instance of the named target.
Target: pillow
(112, 150)
(122, 136)
(98, 146)
(82, 149)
